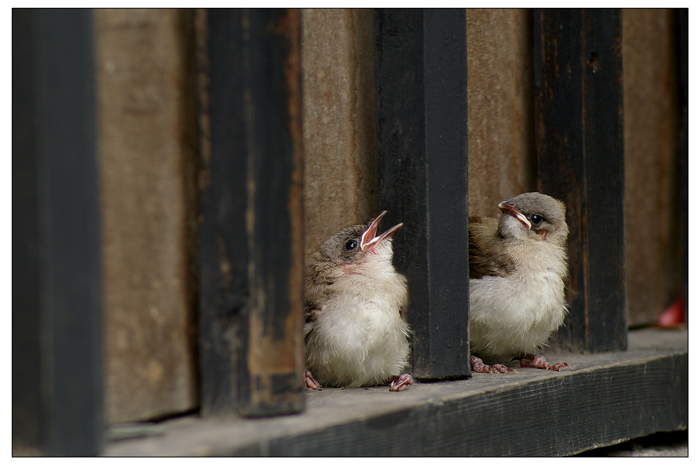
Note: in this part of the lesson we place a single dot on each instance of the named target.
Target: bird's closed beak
(368, 239)
(507, 207)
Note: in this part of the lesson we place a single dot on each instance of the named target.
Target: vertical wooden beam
(56, 321)
(147, 130)
(579, 138)
(251, 249)
(421, 67)
(680, 249)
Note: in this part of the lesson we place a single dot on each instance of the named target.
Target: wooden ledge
(607, 398)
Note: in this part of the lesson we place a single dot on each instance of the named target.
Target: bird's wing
(319, 276)
(311, 312)
(484, 260)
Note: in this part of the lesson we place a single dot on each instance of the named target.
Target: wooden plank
(147, 137)
(502, 161)
(651, 154)
(223, 252)
(422, 147)
(680, 251)
(509, 422)
(340, 143)
(580, 150)
(56, 304)
(606, 398)
(251, 254)
(27, 412)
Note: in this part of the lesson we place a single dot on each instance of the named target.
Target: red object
(674, 315)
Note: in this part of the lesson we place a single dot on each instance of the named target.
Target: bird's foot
(400, 383)
(478, 366)
(538, 361)
(311, 381)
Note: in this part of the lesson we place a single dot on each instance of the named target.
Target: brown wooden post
(147, 129)
(580, 152)
(251, 243)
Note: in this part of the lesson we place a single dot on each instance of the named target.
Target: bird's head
(359, 243)
(535, 216)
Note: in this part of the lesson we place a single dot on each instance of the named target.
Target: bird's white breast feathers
(359, 338)
(516, 314)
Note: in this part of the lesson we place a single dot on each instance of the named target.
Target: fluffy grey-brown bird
(517, 268)
(354, 331)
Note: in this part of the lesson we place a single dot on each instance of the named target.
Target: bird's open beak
(368, 239)
(507, 207)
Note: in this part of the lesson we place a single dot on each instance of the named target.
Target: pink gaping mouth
(368, 239)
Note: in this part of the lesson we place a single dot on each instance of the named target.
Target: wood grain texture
(501, 112)
(651, 178)
(223, 245)
(273, 375)
(251, 254)
(507, 422)
(580, 153)
(605, 399)
(340, 165)
(146, 139)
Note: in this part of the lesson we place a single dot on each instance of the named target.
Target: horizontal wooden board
(604, 399)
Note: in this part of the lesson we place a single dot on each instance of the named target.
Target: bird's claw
(539, 361)
(400, 383)
(558, 366)
(311, 381)
(478, 366)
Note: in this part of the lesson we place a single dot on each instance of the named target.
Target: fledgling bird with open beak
(354, 331)
(517, 267)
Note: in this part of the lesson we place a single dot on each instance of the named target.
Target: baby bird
(517, 267)
(354, 331)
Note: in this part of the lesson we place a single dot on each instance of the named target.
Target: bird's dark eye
(536, 219)
(351, 244)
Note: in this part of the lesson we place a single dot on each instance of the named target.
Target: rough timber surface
(607, 398)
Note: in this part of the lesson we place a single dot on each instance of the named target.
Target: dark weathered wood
(681, 188)
(579, 123)
(251, 258)
(510, 421)
(422, 151)
(56, 320)
(606, 398)
(223, 251)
